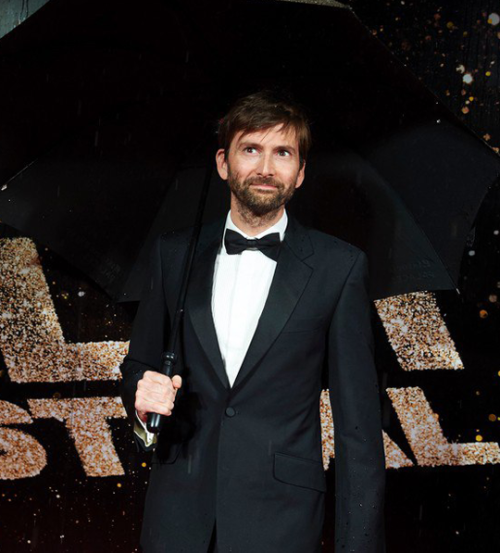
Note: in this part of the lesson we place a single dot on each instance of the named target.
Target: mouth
(264, 186)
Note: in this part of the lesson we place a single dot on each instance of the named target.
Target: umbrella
(121, 157)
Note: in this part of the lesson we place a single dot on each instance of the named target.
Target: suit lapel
(199, 300)
(290, 279)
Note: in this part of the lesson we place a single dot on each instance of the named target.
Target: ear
(300, 176)
(221, 164)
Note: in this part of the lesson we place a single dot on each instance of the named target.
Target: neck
(250, 223)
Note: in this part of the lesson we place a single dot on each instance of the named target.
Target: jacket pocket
(297, 471)
(166, 454)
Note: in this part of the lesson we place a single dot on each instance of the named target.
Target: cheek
(243, 170)
(290, 174)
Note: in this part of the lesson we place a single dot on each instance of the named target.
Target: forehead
(272, 136)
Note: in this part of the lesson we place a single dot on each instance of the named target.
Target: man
(270, 306)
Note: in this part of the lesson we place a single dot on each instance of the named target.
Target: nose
(266, 165)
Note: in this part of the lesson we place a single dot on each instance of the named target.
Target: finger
(162, 396)
(149, 406)
(177, 381)
(154, 398)
(153, 376)
(148, 386)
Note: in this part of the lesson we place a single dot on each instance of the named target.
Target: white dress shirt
(240, 288)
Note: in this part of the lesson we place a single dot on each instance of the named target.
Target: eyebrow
(248, 144)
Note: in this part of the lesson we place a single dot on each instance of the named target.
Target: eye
(248, 148)
(286, 152)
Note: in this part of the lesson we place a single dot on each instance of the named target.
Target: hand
(156, 394)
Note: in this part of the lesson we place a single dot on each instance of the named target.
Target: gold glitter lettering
(31, 338)
(417, 332)
(21, 455)
(425, 435)
(85, 419)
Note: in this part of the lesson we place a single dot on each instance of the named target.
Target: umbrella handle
(155, 420)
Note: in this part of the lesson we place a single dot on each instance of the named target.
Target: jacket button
(230, 412)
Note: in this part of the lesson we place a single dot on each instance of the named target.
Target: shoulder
(329, 242)
(330, 246)
(175, 238)
(339, 257)
(332, 255)
(179, 238)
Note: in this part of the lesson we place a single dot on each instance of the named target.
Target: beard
(260, 202)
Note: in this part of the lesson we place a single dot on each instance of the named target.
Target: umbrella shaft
(155, 420)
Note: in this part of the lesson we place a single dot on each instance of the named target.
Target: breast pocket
(298, 471)
(305, 324)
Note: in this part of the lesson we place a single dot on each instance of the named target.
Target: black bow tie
(236, 243)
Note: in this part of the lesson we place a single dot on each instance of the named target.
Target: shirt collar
(279, 226)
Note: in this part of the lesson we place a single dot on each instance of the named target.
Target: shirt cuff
(143, 433)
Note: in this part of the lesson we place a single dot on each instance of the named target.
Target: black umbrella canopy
(127, 112)
(96, 110)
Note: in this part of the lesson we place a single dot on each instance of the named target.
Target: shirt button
(230, 412)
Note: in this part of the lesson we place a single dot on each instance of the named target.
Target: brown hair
(263, 110)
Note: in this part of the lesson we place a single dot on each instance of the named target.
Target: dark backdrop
(68, 506)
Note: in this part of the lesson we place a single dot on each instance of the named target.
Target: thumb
(177, 381)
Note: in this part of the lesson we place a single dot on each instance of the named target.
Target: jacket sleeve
(355, 401)
(148, 339)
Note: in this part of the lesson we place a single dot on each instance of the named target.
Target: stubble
(258, 206)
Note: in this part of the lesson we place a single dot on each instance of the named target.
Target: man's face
(262, 169)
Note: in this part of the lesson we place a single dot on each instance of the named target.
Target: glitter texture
(86, 421)
(394, 457)
(425, 436)
(417, 332)
(21, 455)
(31, 338)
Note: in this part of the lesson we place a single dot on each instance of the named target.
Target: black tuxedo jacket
(250, 456)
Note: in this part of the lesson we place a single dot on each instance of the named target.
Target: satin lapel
(290, 279)
(199, 301)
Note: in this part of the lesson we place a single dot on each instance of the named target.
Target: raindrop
(493, 19)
